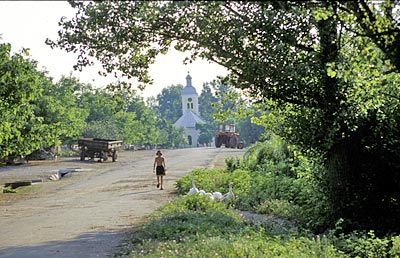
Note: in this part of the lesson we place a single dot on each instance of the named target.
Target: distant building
(190, 111)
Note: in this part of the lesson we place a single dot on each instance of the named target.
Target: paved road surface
(85, 214)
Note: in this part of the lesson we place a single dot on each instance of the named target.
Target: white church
(191, 114)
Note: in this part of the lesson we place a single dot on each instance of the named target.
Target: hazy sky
(27, 24)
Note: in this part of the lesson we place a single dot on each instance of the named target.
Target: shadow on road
(95, 244)
(148, 191)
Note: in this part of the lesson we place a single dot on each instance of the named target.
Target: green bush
(281, 209)
(273, 151)
(395, 250)
(360, 244)
(280, 173)
(233, 164)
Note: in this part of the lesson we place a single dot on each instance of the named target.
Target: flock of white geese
(214, 195)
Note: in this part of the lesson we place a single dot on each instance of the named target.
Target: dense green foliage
(169, 103)
(34, 112)
(208, 102)
(60, 109)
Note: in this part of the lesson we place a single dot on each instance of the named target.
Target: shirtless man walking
(159, 169)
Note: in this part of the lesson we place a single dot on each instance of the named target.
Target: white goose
(202, 192)
(193, 190)
(210, 195)
(217, 196)
(230, 194)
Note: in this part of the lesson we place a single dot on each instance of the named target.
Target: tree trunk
(364, 187)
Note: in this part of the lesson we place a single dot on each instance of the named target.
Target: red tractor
(228, 136)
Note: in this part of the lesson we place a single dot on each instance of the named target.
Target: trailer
(99, 148)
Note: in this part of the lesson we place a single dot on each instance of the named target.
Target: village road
(87, 213)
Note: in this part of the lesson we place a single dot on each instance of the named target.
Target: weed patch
(196, 226)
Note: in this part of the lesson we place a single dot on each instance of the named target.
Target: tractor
(228, 136)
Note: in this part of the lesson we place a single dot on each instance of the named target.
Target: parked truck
(227, 136)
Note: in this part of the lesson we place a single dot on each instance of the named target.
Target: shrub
(281, 209)
(360, 244)
(395, 250)
(233, 164)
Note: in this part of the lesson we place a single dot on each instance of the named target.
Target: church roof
(188, 90)
(189, 119)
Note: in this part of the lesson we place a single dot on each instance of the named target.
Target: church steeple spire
(189, 80)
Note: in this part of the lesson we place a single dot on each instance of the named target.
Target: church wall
(194, 134)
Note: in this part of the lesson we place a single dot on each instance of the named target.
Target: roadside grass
(219, 162)
(69, 153)
(9, 190)
(196, 226)
(18, 193)
(29, 190)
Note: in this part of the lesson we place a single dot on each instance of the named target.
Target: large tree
(58, 105)
(208, 103)
(22, 129)
(331, 69)
(170, 103)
